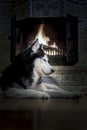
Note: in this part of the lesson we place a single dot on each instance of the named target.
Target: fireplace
(59, 36)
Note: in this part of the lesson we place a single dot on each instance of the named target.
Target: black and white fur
(25, 77)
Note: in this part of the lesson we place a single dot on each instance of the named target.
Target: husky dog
(24, 77)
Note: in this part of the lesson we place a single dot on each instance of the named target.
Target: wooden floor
(51, 114)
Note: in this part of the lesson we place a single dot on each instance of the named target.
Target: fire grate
(59, 36)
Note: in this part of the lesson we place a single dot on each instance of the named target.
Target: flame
(43, 39)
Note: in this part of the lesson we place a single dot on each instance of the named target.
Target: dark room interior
(63, 25)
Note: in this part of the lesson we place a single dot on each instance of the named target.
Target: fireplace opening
(59, 36)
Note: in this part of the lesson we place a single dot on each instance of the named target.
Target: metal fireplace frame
(71, 24)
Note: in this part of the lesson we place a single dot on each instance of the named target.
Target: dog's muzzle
(51, 71)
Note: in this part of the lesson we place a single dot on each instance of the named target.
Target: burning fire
(43, 39)
(41, 36)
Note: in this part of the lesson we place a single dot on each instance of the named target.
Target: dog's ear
(41, 46)
(35, 46)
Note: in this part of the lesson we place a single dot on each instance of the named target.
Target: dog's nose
(52, 70)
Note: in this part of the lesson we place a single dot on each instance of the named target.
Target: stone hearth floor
(55, 104)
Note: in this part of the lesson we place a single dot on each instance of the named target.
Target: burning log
(53, 51)
(50, 46)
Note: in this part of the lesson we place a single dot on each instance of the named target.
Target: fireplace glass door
(59, 36)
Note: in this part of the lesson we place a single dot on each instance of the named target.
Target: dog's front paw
(44, 95)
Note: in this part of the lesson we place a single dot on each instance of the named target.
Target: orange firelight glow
(43, 39)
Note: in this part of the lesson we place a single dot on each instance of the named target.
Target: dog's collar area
(39, 81)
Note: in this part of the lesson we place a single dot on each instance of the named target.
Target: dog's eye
(44, 60)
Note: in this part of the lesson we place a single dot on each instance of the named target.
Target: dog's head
(40, 59)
